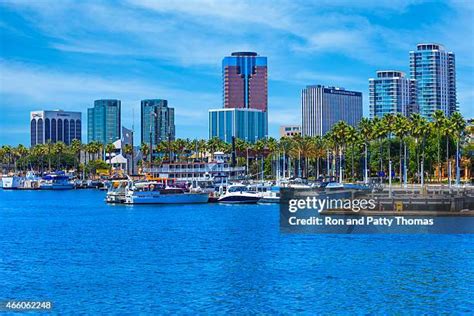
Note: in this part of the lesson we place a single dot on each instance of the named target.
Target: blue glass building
(246, 124)
(157, 119)
(104, 121)
(391, 93)
(434, 70)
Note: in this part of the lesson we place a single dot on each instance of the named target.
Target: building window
(47, 130)
(53, 130)
(72, 130)
(39, 135)
(60, 130)
(33, 132)
(66, 132)
(78, 130)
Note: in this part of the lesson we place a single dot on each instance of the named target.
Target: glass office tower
(157, 119)
(391, 93)
(104, 122)
(434, 70)
(245, 81)
(247, 124)
(322, 107)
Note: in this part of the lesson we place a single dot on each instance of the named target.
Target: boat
(30, 182)
(16, 182)
(152, 192)
(117, 191)
(266, 191)
(56, 182)
(11, 182)
(238, 194)
(219, 170)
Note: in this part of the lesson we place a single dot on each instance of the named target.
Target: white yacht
(151, 192)
(238, 193)
(117, 191)
(11, 183)
(266, 191)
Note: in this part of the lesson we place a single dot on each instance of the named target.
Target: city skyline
(68, 63)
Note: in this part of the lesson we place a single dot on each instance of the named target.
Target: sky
(66, 54)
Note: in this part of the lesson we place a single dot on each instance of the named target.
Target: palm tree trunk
(447, 160)
(400, 162)
(439, 159)
(352, 161)
(366, 177)
(458, 170)
(405, 171)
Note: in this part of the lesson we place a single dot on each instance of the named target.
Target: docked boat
(56, 182)
(11, 183)
(267, 192)
(156, 193)
(117, 191)
(239, 193)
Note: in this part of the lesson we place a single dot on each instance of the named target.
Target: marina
(78, 247)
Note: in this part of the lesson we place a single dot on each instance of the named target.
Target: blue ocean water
(89, 257)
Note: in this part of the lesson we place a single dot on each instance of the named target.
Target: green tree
(458, 125)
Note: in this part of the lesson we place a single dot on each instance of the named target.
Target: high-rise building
(245, 81)
(435, 72)
(104, 121)
(246, 124)
(158, 119)
(322, 107)
(391, 93)
(244, 115)
(55, 126)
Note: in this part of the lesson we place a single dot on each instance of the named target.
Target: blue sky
(65, 54)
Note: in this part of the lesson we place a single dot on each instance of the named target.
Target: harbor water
(86, 256)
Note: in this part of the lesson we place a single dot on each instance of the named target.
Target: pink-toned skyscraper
(245, 81)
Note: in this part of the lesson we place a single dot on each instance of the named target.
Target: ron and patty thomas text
(355, 205)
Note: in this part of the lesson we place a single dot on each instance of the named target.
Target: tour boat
(56, 182)
(155, 193)
(238, 193)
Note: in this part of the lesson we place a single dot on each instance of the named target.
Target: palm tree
(438, 124)
(340, 133)
(366, 131)
(8, 151)
(401, 130)
(271, 147)
(318, 153)
(40, 151)
(128, 150)
(458, 125)
(352, 139)
(286, 144)
(388, 121)
(59, 148)
(76, 147)
(380, 132)
(20, 151)
(145, 150)
(419, 129)
(109, 149)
